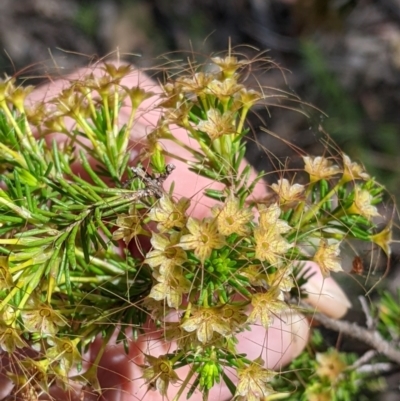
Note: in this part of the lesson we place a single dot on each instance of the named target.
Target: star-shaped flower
(171, 286)
(353, 171)
(217, 124)
(330, 365)
(203, 237)
(10, 339)
(384, 238)
(253, 382)
(41, 318)
(270, 246)
(282, 278)
(169, 214)
(129, 226)
(65, 352)
(270, 221)
(196, 84)
(206, 322)
(288, 194)
(319, 168)
(362, 204)
(327, 257)
(159, 372)
(228, 65)
(232, 218)
(265, 306)
(165, 252)
(223, 89)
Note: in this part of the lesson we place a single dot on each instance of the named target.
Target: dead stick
(372, 338)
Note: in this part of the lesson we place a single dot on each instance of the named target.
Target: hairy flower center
(265, 245)
(204, 238)
(67, 348)
(164, 367)
(175, 216)
(228, 313)
(44, 312)
(171, 253)
(230, 220)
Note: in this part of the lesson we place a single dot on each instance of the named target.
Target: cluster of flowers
(216, 275)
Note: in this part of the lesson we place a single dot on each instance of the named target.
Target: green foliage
(389, 315)
(322, 374)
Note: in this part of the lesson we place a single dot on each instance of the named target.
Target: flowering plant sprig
(63, 280)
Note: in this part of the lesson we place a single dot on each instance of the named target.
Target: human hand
(120, 373)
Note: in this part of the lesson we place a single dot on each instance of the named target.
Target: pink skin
(120, 374)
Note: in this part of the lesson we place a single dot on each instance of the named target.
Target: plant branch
(372, 338)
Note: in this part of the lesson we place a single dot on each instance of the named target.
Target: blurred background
(342, 56)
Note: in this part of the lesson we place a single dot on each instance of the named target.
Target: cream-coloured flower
(288, 194)
(228, 65)
(137, 95)
(8, 315)
(6, 87)
(265, 306)
(203, 237)
(159, 372)
(165, 252)
(269, 219)
(232, 218)
(270, 246)
(234, 315)
(253, 382)
(65, 352)
(327, 257)
(353, 171)
(129, 226)
(17, 96)
(206, 322)
(319, 168)
(117, 71)
(10, 339)
(248, 97)
(223, 89)
(173, 332)
(169, 214)
(282, 278)
(362, 204)
(157, 310)
(330, 365)
(217, 124)
(179, 114)
(196, 84)
(42, 318)
(172, 284)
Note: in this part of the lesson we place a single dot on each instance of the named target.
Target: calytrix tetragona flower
(232, 218)
(203, 237)
(327, 257)
(320, 168)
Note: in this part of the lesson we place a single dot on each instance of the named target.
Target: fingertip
(324, 294)
(278, 345)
